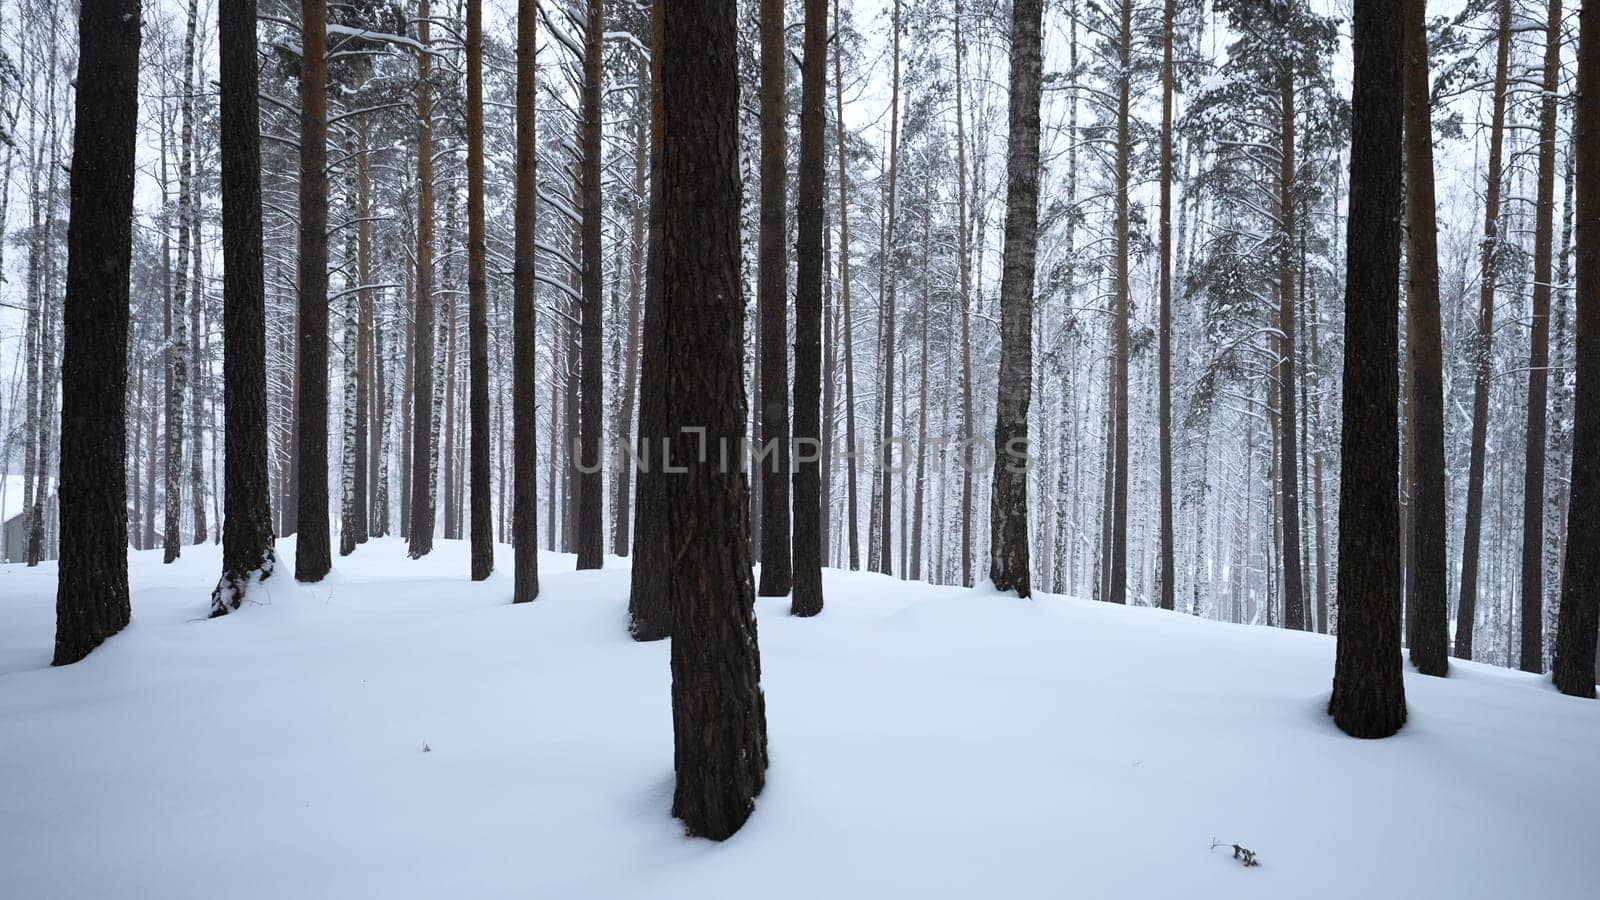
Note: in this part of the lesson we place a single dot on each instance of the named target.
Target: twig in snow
(1244, 855)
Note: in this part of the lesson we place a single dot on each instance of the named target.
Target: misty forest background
(915, 185)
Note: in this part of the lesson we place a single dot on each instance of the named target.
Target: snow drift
(398, 731)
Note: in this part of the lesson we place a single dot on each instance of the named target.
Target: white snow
(926, 742)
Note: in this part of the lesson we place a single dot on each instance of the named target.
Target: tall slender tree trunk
(349, 359)
(524, 331)
(718, 712)
(886, 300)
(197, 372)
(482, 524)
(810, 539)
(423, 414)
(1428, 625)
(649, 598)
(1369, 698)
(914, 569)
(772, 282)
(852, 516)
(590, 531)
(830, 368)
(1574, 662)
(444, 380)
(1117, 584)
(1533, 498)
(1466, 608)
(964, 271)
(1294, 607)
(1164, 325)
(621, 508)
(92, 589)
(313, 556)
(1009, 566)
(178, 348)
(366, 359)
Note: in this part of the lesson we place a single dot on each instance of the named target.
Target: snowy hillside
(399, 732)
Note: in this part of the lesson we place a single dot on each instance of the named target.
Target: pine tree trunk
(408, 393)
(718, 712)
(1117, 564)
(197, 475)
(1574, 661)
(890, 276)
(649, 600)
(178, 348)
(1009, 565)
(444, 381)
(852, 515)
(590, 530)
(524, 333)
(1533, 498)
(1428, 623)
(349, 353)
(810, 540)
(964, 269)
(772, 281)
(1294, 607)
(423, 413)
(830, 373)
(1466, 608)
(313, 558)
(571, 397)
(92, 592)
(1164, 325)
(366, 359)
(621, 510)
(914, 569)
(482, 516)
(1368, 687)
(247, 544)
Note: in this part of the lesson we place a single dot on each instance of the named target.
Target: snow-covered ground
(926, 742)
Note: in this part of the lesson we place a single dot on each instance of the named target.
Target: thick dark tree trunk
(1472, 532)
(482, 525)
(1574, 662)
(718, 712)
(649, 604)
(423, 414)
(92, 589)
(809, 540)
(1009, 565)
(590, 532)
(313, 553)
(1428, 627)
(1369, 697)
(247, 516)
(524, 399)
(772, 282)
(1533, 499)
